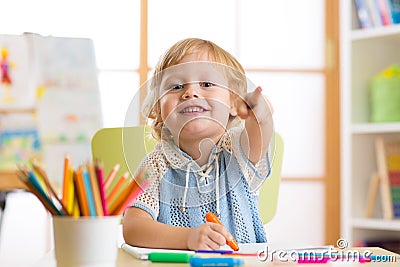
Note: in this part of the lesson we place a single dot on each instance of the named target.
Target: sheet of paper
(142, 253)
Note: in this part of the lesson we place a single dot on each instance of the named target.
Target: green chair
(122, 145)
(118, 145)
(269, 192)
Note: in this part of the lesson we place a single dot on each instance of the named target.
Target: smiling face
(195, 102)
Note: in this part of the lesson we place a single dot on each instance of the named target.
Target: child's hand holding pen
(208, 236)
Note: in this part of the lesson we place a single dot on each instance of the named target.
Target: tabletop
(126, 260)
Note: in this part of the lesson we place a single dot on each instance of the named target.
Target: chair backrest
(115, 145)
(269, 192)
(109, 145)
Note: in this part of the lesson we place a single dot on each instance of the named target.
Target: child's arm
(257, 113)
(139, 229)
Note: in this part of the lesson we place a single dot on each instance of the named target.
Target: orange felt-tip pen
(211, 217)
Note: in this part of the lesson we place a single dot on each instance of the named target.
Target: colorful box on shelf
(385, 96)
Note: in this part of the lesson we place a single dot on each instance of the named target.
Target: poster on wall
(63, 63)
(17, 89)
(68, 116)
(19, 140)
(55, 81)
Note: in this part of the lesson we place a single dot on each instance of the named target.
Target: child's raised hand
(208, 236)
(255, 103)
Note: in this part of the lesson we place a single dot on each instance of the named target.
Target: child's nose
(191, 91)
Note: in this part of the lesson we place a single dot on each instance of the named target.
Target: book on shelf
(394, 6)
(363, 14)
(384, 12)
(387, 178)
(376, 13)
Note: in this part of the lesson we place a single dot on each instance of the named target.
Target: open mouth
(193, 109)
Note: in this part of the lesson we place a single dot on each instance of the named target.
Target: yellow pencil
(71, 191)
(76, 210)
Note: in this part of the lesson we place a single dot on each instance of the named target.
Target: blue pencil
(89, 194)
(35, 183)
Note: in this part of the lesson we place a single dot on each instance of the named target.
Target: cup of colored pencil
(86, 191)
(86, 214)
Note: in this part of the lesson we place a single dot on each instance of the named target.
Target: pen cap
(169, 257)
(217, 262)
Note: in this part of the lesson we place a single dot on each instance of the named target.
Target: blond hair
(237, 78)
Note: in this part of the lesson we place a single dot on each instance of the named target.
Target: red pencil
(100, 178)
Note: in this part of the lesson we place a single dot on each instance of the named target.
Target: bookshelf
(364, 53)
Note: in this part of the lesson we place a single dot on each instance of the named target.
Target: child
(207, 159)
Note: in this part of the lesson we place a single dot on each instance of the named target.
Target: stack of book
(387, 178)
(393, 157)
(375, 13)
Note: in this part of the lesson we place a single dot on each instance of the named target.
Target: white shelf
(390, 32)
(376, 224)
(364, 54)
(375, 128)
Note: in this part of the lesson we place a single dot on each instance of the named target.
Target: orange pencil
(132, 187)
(112, 207)
(135, 191)
(117, 187)
(66, 181)
(111, 177)
(95, 188)
(80, 192)
(211, 217)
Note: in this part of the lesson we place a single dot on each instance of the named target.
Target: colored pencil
(135, 191)
(89, 193)
(95, 188)
(34, 191)
(51, 192)
(41, 193)
(71, 191)
(117, 187)
(110, 177)
(100, 178)
(66, 182)
(80, 192)
(135, 187)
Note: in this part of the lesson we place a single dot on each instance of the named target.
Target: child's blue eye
(206, 84)
(176, 87)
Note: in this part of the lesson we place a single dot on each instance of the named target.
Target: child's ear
(233, 111)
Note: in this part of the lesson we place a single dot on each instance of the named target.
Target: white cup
(86, 241)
